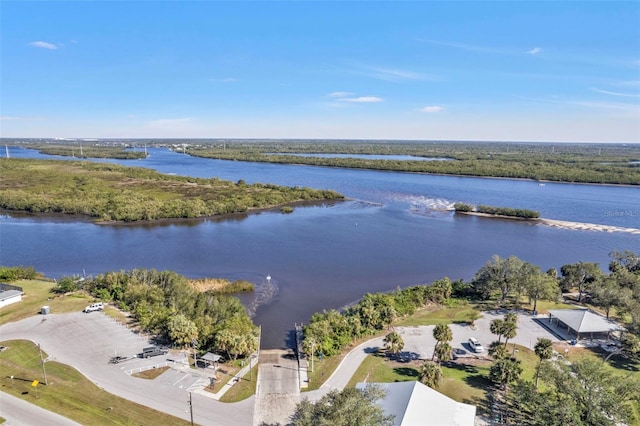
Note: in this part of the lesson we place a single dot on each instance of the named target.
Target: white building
(8, 297)
(414, 404)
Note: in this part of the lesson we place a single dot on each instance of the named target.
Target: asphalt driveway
(88, 341)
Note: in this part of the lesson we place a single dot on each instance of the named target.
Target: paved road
(278, 387)
(18, 412)
(87, 341)
(419, 344)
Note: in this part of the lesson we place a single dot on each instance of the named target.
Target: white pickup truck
(93, 307)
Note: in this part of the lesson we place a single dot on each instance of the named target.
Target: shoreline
(561, 224)
(68, 217)
(533, 180)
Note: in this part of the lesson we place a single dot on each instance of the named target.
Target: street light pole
(44, 372)
(191, 408)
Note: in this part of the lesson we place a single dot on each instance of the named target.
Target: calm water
(367, 156)
(390, 234)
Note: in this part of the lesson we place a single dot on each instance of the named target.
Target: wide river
(391, 233)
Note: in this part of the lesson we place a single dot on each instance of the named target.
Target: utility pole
(312, 350)
(44, 372)
(194, 342)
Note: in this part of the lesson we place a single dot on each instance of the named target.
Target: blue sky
(423, 70)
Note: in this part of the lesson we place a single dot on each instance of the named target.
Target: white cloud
(607, 92)
(339, 94)
(432, 108)
(463, 46)
(223, 80)
(361, 99)
(43, 45)
(391, 74)
(534, 51)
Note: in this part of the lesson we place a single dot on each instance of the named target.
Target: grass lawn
(464, 381)
(433, 315)
(68, 392)
(36, 295)
(150, 374)
(243, 389)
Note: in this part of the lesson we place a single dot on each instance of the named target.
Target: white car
(475, 345)
(93, 307)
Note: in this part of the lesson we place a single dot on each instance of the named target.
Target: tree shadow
(469, 369)
(406, 371)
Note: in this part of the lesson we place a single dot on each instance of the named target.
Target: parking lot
(420, 344)
(88, 341)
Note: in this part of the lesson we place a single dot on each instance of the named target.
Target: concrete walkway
(229, 384)
(419, 344)
(278, 388)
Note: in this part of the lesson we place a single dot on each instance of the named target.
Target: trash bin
(44, 310)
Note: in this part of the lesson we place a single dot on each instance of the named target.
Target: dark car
(150, 351)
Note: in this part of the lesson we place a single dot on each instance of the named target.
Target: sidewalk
(232, 381)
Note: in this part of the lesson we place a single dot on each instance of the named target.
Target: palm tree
(544, 350)
(496, 327)
(393, 343)
(510, 327)
(497, 350)
(444, 352)
(511, 317)
(509, 331)
(430, 374)
(442, 333)
(505, 371)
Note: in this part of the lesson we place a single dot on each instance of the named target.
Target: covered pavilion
(581, 322)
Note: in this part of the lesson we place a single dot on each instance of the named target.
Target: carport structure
(582, 322)
(211, 359)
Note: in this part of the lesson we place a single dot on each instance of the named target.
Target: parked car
(475, 345)
(93, 307)
(153, 351)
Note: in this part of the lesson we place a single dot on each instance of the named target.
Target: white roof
(584, 321)
(211, 357)
(414, 404)
(9, 294)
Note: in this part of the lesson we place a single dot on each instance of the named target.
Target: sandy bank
(586, 226)
(563, 224)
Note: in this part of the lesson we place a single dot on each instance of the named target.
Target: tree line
(110, 192)
(496, 211)
(510, 281)
(165, 304)
(569, 388)
(580, 163)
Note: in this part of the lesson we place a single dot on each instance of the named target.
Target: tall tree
(497, 327)
(600, 396)
(442, 333)
(542, 287)
(431, 374)
(505, 371)
(349, 407)
(393, 343)
(607, 293)
(181, 330)
(544, 350)
(579, 275)
(444, 352)
(498, 275)
(497, 350)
